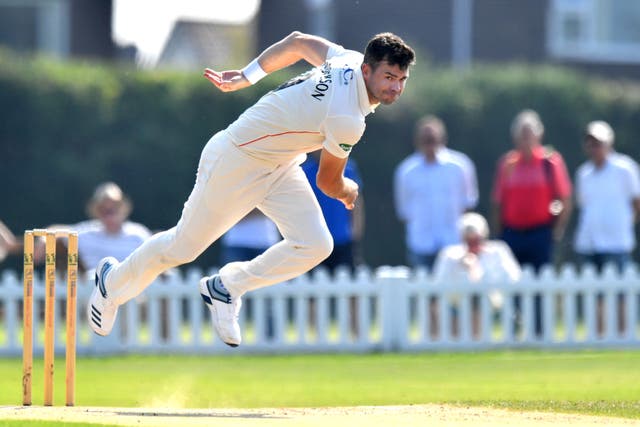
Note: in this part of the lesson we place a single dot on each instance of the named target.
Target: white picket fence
(390, 309)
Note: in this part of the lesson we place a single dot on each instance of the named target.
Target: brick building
(600, 36)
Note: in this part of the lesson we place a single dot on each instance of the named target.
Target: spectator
(531, 199)
(608, 195)
(108, 232)
(249, 238)
(433, 188)
(254, 234)
(474, 260)
(346, 226)
(8, 242)
(531, 194)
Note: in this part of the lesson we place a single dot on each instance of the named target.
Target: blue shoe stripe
(105, 269)
(206, 299)
(217, 290)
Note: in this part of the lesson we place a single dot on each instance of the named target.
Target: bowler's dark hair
(390, 48)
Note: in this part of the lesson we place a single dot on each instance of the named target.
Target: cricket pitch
(433, 415)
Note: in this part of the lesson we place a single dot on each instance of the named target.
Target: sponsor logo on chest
(323, 84)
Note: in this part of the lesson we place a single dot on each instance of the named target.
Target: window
(18, 27)
(595, 30)
(36, 26)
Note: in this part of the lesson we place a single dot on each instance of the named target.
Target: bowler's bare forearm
(288, 51)
(291, 49)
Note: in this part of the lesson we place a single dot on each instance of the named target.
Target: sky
(147, 23)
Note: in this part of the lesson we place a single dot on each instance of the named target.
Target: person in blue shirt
(346, 226)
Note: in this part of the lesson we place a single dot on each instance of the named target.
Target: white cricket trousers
(229, 184)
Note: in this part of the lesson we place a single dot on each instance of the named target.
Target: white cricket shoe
(101, 311)
(224, 309)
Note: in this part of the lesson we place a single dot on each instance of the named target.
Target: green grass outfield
(586, 382)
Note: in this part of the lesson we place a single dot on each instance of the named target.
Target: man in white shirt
(432, 189)
(608, 195)
(255, 163)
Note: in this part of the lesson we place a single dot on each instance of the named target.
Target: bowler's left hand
(227, 81)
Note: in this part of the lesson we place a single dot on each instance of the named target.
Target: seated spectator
(432, 189)
(476, 259)
(107, 233)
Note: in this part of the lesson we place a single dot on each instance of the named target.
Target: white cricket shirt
(322, 108)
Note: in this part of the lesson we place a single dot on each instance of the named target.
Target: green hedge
(68, 126)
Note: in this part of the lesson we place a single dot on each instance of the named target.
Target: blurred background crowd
(525, 113)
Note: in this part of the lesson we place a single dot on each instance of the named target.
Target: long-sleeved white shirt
(430, 197)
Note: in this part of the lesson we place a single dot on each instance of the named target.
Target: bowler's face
(386, 83)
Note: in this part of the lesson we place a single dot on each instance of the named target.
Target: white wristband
(253, 72)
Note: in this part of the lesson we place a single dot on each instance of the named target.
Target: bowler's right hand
(350, 194)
